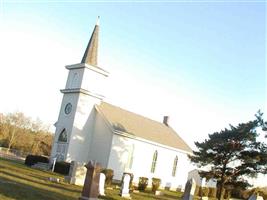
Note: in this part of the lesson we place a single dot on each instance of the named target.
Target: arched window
(174, 167)
(154, 162)
(63, 136)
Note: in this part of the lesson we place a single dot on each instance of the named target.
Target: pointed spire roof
(90, 54)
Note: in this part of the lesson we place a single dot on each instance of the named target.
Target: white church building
(88, 128)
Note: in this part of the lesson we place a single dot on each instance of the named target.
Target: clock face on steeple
(68, 108)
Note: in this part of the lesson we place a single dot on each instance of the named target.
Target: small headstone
(158, 193)
(53, 179)
(190, 188)
(102, 184)
(125, 186)
(71, 176)
(91, 182)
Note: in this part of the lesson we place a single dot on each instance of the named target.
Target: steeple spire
(90, 54)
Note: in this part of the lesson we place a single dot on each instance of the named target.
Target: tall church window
(154, 162)
(63, 136)
(174, 167)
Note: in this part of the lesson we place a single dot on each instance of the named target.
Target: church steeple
(90, 54)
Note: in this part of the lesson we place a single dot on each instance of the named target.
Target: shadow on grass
(50, 184)
(20, 191)
(148, 194)
(107, 198)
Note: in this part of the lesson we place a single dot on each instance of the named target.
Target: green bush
(155, 184)
(212, 192)
(109, 176)
(33, 159)
(62, 168)
(143, 181)
(237, 193)
(204, 191)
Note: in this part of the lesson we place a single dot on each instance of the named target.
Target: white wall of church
(120, 161)
(83, 128)
(102, 139)
(93, 81)
(74, 78)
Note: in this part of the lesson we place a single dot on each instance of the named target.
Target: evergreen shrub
(155, 184)
(33, 159)
(62, 167)
(143, 182)
(204, 191)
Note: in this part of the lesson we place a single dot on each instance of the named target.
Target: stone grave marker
(91, 182)
(189, 190)
(125, 186)
(70, 178)
(102, 184)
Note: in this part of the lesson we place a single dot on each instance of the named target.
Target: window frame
(174, 166)
(154, 162)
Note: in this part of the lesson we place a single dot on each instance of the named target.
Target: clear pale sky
(201, 63)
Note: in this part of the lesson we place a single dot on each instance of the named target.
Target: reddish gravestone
(91, 182)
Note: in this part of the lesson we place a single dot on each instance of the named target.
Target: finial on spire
(90, 54)
(97, 21)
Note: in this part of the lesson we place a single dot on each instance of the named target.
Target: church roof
(138, 126)
(90, 54)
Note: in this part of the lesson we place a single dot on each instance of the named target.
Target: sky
(203, 63)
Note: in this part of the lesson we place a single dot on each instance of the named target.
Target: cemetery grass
(18, 181)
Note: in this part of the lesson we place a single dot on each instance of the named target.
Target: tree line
(20, 132)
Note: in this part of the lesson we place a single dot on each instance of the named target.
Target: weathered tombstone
(102, 184)
(189, 190)
(125, 186)
(71, 176)
(91, 182)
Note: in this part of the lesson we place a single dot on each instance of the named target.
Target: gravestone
(125, 186)
(71, 176)
(189, 190)
(91, 182)
(102, 184)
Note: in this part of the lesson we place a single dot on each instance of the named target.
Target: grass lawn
(18, 181)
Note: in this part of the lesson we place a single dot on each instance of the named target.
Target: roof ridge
(147, 118)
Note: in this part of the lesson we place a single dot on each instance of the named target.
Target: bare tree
(13, 125)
